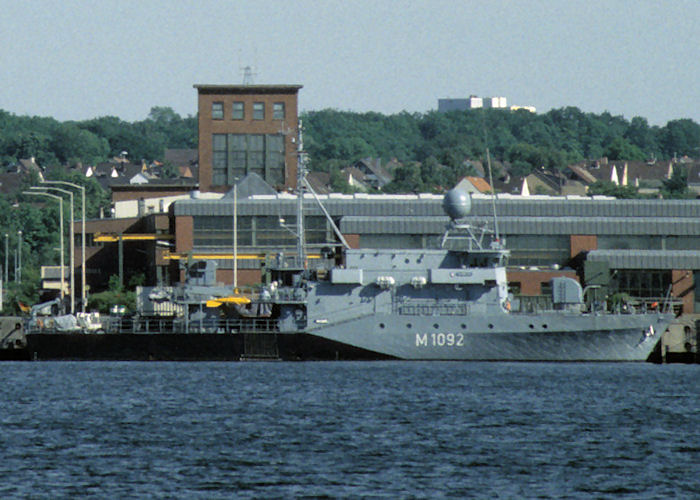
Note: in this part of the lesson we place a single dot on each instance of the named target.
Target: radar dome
(457, 203)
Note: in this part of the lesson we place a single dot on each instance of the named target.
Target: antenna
(301, 175)
(493, 189)
(248, 74)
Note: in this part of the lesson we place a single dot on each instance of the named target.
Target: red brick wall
(684, 288)
(246, 277)
(583, 243)
(353, 240)
(247, 95)
(184, 234)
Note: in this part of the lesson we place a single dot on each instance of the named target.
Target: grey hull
(514, 337)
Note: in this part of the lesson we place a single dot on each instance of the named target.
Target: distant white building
(495, 102)
(474, 102)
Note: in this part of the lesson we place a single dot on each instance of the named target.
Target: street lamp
(60, 204)
(235, 237)
(19, 257)
(72, 243)
(83, 287)
(7, 253)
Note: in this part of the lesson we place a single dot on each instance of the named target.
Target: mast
(493, 198)
(301, 176)
(303, 186)
(497, 236)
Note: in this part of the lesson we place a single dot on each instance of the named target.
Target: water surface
(349, 429)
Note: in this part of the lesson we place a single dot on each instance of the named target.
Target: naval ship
(447, 303)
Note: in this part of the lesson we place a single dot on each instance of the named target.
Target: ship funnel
(457, 203)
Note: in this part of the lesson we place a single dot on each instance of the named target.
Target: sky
(77, 60)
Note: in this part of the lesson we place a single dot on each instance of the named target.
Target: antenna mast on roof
(248, 75)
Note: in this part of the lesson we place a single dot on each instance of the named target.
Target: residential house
(648, 177)
(320, 182)
(185, 161)
(355, 178)
(473, 185)
(374, 174)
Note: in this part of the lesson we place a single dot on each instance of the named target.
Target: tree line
(337, 138)
(436, 148)
(54, 143)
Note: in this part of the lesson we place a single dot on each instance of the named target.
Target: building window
(217, 110)
(278, 111)
(258, 111)
(236, 155)
(215, 231)
(238, 110)
(538, 249)
(643, 283)
(260, 231)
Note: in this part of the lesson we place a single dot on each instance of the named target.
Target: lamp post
(72, 243)
(235, 238)
(7, 258)
(83, 287)
(60, 216)
(19, 257)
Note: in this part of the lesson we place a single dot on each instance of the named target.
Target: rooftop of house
(181, 157)
(479, 183)
(320, 182)
(374, 165)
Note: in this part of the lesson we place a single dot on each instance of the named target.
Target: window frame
(236, 155)
(258, 111)
(279, 111)
(235, 110)
(217, 114)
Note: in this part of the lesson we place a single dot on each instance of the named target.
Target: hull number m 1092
(439, 339)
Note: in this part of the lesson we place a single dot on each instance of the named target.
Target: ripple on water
(329, 430)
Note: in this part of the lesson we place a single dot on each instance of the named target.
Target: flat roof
(248, 89)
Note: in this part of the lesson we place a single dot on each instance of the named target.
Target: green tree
(69, 143)
(644, 137)
(681, 137)
(621, 149)
(114, 295)
(677, 186)
(407, 179)
(607, 188)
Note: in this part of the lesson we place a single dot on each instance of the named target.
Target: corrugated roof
(395, 225)
(527, 225)
(431, 205)
(647, 259)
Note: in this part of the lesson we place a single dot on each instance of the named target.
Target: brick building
(247, 129)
